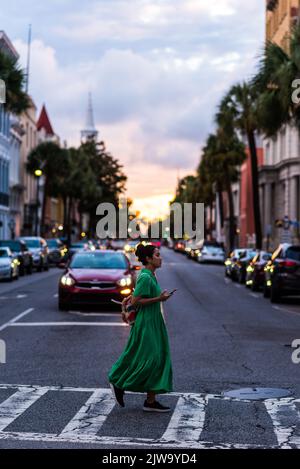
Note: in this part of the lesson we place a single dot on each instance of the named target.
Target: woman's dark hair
(142, 252)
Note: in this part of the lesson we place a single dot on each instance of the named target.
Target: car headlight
(67, 280)
(125, 282)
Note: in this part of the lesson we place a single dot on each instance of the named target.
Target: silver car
(211, 254)
(9, 265)
(39, 249)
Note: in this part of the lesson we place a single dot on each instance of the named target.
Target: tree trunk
(69, 211)
(255, 189)
(45, 195)
(221, 208)
(65, 213)
(232, 226)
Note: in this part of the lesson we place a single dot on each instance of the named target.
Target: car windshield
(213, 249)
(248, 254)
(33, 243)
(98, 261)
(267, 257)
(13, 245)
(3, 253)
(293, 253)
(53, 243)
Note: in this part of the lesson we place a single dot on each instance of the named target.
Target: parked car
(39, 250)
(57, 251)
(95, 278)
(231, 259)
(156, 243)
(282, 273)
(9, 264)
(131, 245)
(79, 246)
(179, 245)
(255, 276)
(239, 267)
(211, 253)
(192, 249)
(21, 251)
(118, 244)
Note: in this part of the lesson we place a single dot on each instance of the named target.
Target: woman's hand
(126, 300)
(164, 296)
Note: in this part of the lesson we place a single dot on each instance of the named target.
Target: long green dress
(145, 364)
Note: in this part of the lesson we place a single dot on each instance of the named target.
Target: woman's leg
(150, 397)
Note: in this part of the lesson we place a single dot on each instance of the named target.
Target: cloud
(156, 69)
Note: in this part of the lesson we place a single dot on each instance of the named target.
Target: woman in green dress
(145, 364)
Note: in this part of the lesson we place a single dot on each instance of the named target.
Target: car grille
(102, 285)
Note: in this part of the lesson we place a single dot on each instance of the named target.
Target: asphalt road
(54, 391)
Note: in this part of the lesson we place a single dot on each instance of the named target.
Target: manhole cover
(258, 393)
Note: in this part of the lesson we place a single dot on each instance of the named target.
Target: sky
(156, 70)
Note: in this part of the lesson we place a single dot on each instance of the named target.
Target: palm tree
(277, 71)
(222, 156)
(17, 101)
(239, 108)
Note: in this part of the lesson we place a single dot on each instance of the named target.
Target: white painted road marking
(184, 429)
(92, 415)
(12, 321)
(17, 403)
(69, 323)
(187, 420)
(282, 413)
(79, 313)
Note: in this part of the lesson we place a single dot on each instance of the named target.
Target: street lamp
(38, 173)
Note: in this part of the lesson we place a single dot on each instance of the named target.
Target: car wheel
(29, 269)
(62, 306)
(275, 294)
(40, 267)
(266, 291)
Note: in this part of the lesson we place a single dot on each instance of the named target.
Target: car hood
(4, 261)
(35, 250)
(97, 274)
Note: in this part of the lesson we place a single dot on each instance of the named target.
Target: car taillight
(287, 264)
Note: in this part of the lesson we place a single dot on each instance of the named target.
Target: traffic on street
(223, 336)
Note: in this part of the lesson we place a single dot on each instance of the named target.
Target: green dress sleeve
(143, 286)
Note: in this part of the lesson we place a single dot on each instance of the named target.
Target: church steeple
(90, 131)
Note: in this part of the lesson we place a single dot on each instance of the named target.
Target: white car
(211, 254)
(9, 264)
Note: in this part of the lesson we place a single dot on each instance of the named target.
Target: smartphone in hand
(173, 291)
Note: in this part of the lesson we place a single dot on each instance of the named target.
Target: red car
(94, 278)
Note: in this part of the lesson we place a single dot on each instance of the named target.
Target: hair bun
(140, 252)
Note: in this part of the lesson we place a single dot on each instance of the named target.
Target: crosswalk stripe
(187, 421)
(282, 413)
(90, 418)
(17, 403)
(183, 431)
